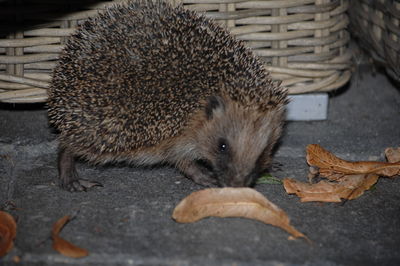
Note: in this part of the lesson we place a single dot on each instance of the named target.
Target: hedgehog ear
(215, 105)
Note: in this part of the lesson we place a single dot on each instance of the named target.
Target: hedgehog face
(235, 142)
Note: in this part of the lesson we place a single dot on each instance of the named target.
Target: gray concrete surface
(128, 221)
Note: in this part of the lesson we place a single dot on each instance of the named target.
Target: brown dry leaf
(392, 155)
(16, 259)
(63, 246)
(232, 202)
(329, 164)
(322, 191)
(352, 178)
(349, 187)
(8, 231)
(356, 185)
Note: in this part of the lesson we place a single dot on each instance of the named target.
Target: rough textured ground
(128, 222)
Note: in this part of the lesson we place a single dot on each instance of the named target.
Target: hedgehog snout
(234, 177)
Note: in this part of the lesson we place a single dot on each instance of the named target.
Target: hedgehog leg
(68, 176)
(199, 172)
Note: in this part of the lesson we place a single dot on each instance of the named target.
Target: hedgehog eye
(222, 145)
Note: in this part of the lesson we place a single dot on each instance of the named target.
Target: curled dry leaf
(232, 202)
(8, 231)
(350, 187)
(63, 246)
(329, 164)
(322, 191)
(351, 178)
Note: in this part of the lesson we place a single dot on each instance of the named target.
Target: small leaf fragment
(392, 155)
(8, 231)
(269, 179)
(61, 245)
(232, 202)
(16, 259)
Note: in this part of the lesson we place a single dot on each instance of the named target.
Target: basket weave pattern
(302, 42)
(377, 24)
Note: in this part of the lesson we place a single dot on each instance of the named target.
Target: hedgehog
(148, 83)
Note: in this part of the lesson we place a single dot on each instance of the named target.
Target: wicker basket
(302, 42)
(377, 25)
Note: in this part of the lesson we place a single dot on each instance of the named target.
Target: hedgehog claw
(79, 185)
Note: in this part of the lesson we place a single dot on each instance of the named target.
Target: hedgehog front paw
(204, 174)
(68, 177)
(204, 180)
(78, 185)
(200, 172)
